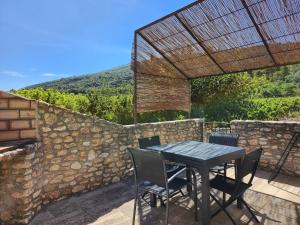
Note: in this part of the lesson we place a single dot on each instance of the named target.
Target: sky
(43, 40)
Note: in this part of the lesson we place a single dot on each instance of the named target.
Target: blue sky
(42, 40)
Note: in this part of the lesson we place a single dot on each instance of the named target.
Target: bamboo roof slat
(209, 38)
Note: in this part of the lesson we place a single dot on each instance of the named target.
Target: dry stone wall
(169, 132)
(81, 152)
(273, 136)
(21, 184)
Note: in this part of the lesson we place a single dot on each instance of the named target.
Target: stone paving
(275, 203)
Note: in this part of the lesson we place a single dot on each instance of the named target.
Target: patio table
(201, 156)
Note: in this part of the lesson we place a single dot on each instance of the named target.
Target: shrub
(273, 108)
(74, 102)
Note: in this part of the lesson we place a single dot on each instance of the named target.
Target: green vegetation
(117, 108)
(120, 78)
(71, 101)
(270, 94)
(274, 108)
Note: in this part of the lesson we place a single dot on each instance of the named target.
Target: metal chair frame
(249, 166)
(222, 138)
(172, 168)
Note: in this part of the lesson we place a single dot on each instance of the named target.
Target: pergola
(210, 38)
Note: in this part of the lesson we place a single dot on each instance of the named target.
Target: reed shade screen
(211, 37)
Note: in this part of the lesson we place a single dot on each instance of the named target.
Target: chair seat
(227, 185)
(173, 168)
(221, 166)
(174, 186)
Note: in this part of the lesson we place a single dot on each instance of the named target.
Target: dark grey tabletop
(199, 154)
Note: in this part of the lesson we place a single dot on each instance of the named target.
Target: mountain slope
(279, 82)
(116, 77)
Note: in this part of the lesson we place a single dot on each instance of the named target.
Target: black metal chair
(221, 138)
(236, 187)
(144, 143)
(149, 141)
(171, 168)
(150, 175)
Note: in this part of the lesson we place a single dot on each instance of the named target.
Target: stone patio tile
(288, 196)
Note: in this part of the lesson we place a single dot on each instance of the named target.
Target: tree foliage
(119, 77)
(71, 101)
(117, 108)
(273, 108)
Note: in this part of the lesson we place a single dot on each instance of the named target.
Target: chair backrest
(230, 139)
(149, 141)
(148, 166)
(250, 164)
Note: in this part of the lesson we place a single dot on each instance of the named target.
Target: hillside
(116, 77)
(274, 82)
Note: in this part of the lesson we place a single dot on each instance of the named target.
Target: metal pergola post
(135, 81)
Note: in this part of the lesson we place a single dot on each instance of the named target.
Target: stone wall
(273, 136)
(83, 152)
(21, 183)
(75, 153)
(17, 117)
(169, 132)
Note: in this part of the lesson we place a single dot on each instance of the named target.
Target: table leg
(189, 179)
(153, 200)
(238, 163)
(205, 191)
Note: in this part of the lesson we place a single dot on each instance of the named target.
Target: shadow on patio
(275, 203)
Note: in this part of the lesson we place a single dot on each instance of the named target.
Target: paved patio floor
(275, 203)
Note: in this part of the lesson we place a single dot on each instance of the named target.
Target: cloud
(12, 73)
(49, 75)
(54, 75)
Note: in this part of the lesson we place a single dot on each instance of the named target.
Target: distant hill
(116, 77)
(280, 82)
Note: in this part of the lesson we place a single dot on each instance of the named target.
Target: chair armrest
(176, 174)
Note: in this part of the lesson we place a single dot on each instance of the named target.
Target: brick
(3, 125)
(33, 104)
(3, 103)
(33, 123)
(9, 135)
(19, 104)
(20, 124)
(6, 95)
(27, 114)
(28, 134)
(9, 114)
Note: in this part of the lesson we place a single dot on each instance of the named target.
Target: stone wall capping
(199, 120)
(280, 122)
(93, 119)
